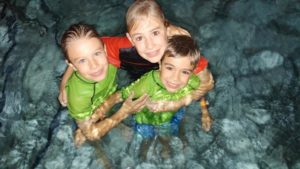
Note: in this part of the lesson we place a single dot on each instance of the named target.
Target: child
(92, 81)
(148, 31)
(173, 81)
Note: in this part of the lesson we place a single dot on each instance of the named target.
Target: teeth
(172, 85)
(152, 54)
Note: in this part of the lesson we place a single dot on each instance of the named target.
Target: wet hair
(182, 46)
(77, 31)
(143, 8)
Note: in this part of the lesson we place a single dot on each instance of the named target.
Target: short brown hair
(77, 31)
(142, 8)
(183, 46)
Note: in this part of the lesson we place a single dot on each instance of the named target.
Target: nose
(93, 64)
(176, 76)
(149, 43)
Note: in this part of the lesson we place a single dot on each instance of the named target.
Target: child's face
(175, 72)
(88, 57)
(149, 36)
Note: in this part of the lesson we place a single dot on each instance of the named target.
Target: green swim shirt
(151, 84)
(86, 95)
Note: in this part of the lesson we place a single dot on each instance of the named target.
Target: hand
(205, 118)
(130, 106)
(175, 30)
(100, 112)
(62, 97)
(162, 106)
(79, 138)
(207, 83)
(156, 106)
(201, 91)
(206, 122)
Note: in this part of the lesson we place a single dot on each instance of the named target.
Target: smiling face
(175, 72)
(88, 57)
(149, 36)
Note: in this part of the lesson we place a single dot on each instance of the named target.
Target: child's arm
(205, 118)
(128, 107)
(162, 106)
(62, 97)
(95, 130)
(99, 113)
(113, 99)
(207, 83)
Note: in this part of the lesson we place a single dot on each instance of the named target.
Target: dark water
(253, 51)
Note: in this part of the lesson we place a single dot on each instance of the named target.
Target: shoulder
(194, 81)
(119, 41)
(201, 65)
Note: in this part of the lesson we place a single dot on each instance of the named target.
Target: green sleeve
(79, 107)
(139, 87)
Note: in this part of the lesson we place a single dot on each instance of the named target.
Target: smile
(153, 53)
(172, 85)
(97, 74)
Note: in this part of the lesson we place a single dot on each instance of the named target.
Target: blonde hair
(182, 46)
(77, 31)
(143, 8)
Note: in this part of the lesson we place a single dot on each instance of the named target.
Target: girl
(91, 82)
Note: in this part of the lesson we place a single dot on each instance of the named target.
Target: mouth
(172, 85)
(97, 73)
(153, 53)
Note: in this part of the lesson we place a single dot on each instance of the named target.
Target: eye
(169, 68)
(99, 53)
(81, 61)
(186, 72)
(155, 33)
(138, 38)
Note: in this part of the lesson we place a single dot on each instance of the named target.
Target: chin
(154, 60)
(172, 90)
(101, 78)
(97, 79)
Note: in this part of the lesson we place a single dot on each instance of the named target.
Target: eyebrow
(135, 34)
(169, 64)
(98, 49)
(75, 60)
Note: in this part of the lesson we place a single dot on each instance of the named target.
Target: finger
(65, 100)
(130, 97)
(205, 127)
(102, 117)
(208, 125)
(61, 101)
(152, 106)
(141, 104)
(141, 101)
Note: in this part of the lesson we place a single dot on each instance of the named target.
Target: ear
(159, 65)
(104, 46)
(71, 65)
(129, 38)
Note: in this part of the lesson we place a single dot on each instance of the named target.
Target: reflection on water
(252, 48)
